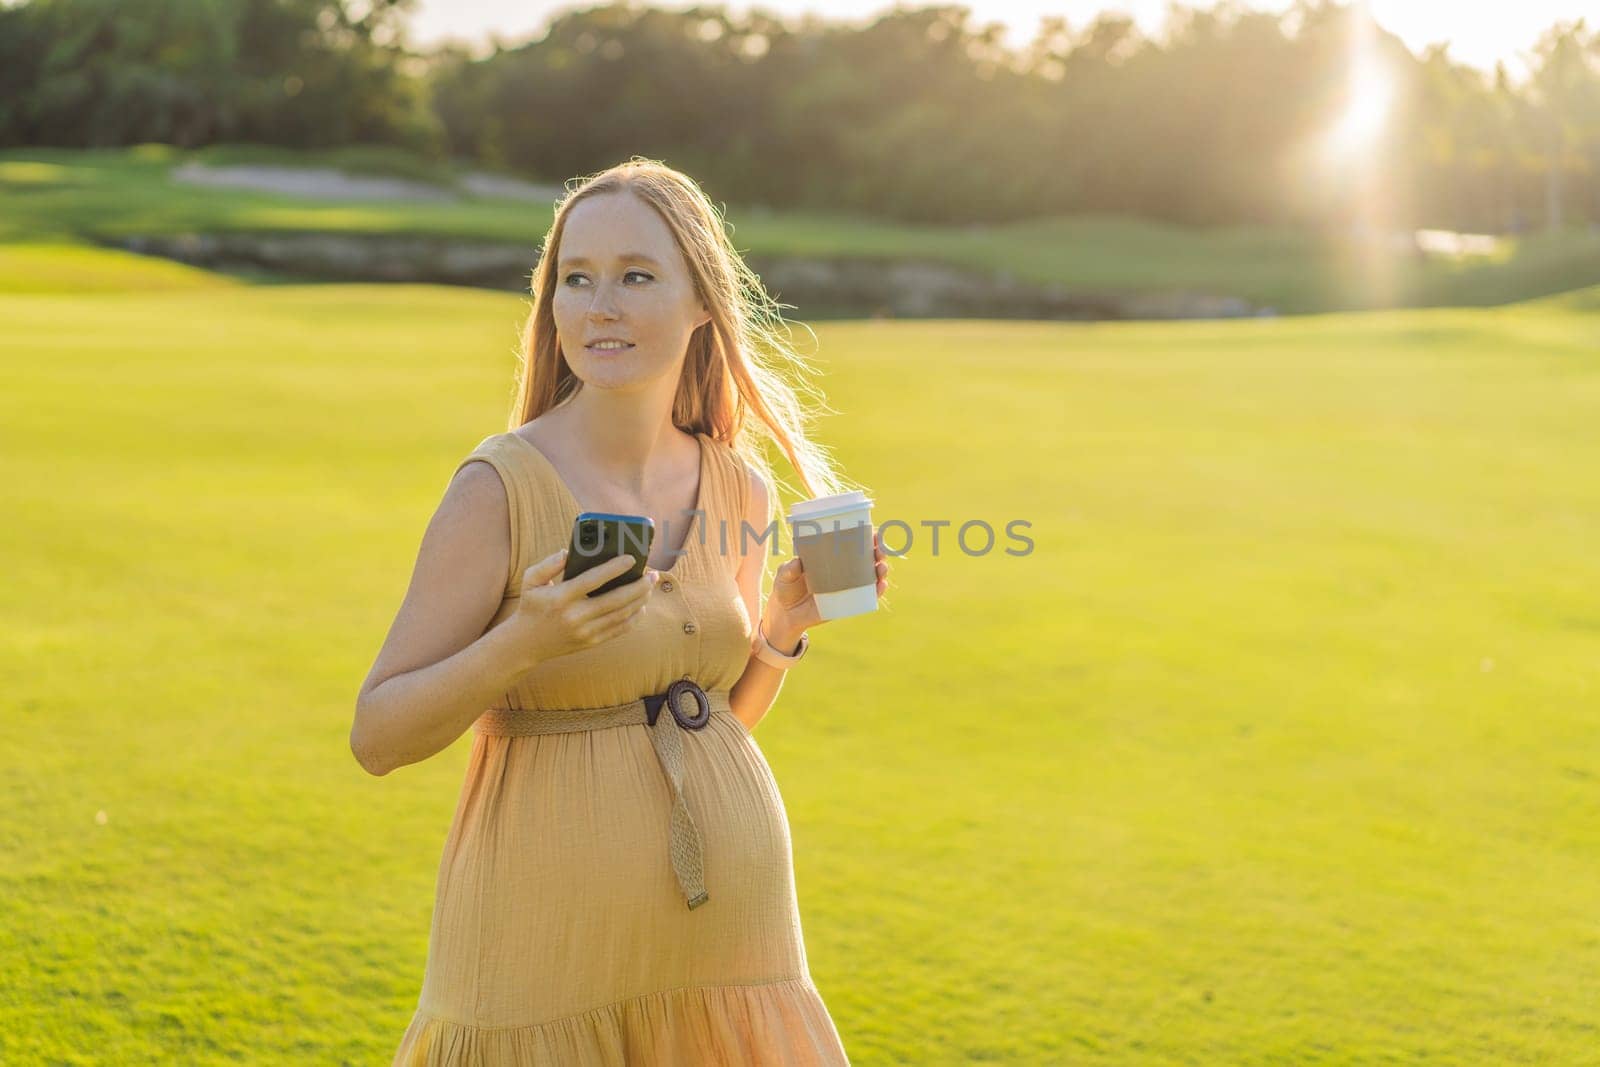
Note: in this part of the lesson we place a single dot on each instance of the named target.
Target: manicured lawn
(1279, 747)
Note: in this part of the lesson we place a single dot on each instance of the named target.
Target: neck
(626, 436)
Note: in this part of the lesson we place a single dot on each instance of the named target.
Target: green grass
(1278, 748)
(66, 268)
(107, 195)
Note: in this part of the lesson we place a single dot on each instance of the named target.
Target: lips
(608, 348)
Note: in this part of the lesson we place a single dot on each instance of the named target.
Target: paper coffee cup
(833, 538)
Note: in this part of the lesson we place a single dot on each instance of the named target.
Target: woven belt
(684, 842)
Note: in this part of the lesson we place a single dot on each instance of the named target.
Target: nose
(603, 306)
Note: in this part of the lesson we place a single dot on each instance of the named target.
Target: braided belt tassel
(684, 844)
(687, 861)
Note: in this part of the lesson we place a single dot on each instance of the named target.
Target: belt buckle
(670, 699)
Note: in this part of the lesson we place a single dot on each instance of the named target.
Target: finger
(623, 598)
(614, 623)
(542, 572)
(614, 631)
(595, 577)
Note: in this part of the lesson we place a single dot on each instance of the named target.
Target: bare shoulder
(458, 581)
(754, 542)
(758, 501)
(755, 535)
(476, 489)
(472, 518)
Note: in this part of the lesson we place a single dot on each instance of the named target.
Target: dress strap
(726, 501)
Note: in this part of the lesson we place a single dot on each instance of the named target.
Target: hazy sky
(1479, 33)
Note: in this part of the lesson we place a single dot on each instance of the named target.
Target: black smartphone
(600, 535)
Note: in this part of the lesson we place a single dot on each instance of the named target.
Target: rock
(817, 287)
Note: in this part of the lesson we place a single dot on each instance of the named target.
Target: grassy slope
(1278, 747)
(69, 268)
(55, 194)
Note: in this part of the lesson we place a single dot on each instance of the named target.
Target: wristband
(767, 653)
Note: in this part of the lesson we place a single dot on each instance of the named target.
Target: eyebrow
(567, 261)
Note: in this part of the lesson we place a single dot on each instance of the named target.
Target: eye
(640, 273)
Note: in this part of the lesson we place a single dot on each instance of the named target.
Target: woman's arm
(789, 612)
(437, 669)
(753, 694)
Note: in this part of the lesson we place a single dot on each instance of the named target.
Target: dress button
(688, 627)
(666, 585)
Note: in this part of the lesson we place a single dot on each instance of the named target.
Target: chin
(618, 378)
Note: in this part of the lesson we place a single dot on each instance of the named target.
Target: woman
(617, 885)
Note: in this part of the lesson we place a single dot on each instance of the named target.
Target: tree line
(919, 116)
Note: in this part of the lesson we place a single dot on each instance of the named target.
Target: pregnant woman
(617, 885)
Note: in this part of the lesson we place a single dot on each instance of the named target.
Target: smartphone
(600, 535)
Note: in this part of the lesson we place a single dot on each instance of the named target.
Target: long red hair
(742, 383)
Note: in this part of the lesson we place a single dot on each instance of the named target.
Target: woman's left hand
(792, 608)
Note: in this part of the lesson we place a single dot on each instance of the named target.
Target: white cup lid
(828, 505)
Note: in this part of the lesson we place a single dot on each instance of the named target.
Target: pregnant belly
(557, 891)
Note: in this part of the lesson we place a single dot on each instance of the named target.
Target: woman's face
(620, 275)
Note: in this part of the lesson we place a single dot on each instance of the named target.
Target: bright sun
(1370, 93)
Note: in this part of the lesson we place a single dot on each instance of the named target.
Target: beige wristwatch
(768, 654)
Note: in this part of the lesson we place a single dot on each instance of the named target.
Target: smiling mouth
(608, 348)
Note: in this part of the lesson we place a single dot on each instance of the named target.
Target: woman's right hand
(556, 617)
